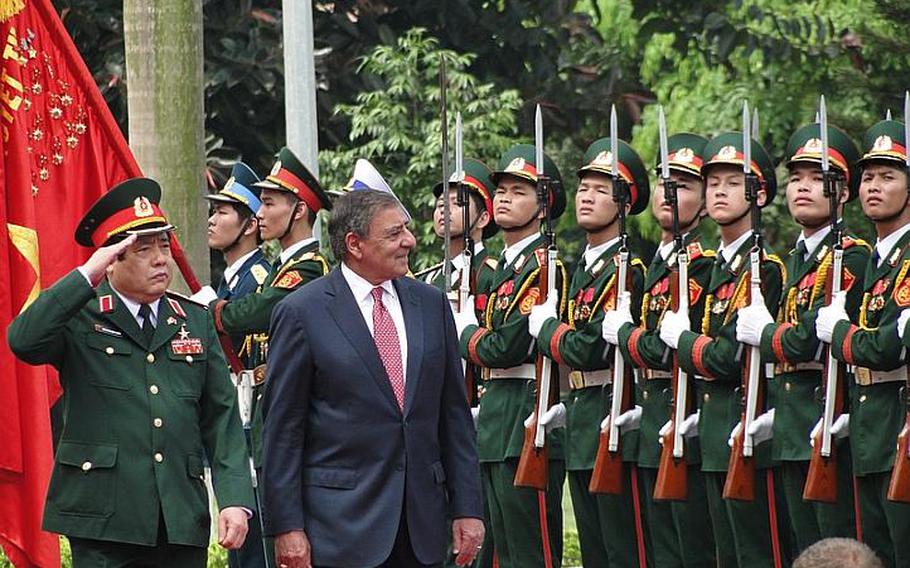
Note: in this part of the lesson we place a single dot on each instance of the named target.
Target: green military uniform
(792, 346)
(741, 528)
(476, 180)
(250, 314)
(873, 347)
(141, 415)
(504, 345)
(607, 532)
(673, 526)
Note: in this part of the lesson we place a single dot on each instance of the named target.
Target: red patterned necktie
(386, 337)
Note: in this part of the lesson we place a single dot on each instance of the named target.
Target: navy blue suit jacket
(340, 458)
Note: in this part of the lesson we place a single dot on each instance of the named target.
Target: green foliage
(397, 126)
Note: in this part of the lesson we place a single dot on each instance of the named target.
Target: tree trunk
(164, 63)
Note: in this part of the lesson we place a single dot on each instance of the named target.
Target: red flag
(61, 149)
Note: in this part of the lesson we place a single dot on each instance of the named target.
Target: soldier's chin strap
(290, 221)
(534, 217)
(240, 233)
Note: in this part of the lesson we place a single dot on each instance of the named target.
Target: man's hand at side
(467, 538)
(232, 527)
(292, 550)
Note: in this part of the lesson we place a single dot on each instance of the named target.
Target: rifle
(740, 483)
(821, 481)
(446, 209)
(466, 284)
(672, 479)
(607, 474)
(899, 487)
(532, 466)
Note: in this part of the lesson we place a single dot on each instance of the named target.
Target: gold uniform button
(787, 386)
(862, 398)
(109, 350)
(644, 395)
(150, 357)
(707, 397)
(158, 422)
(87, 465)
(153, 389)
(189, 359)
(159, 457)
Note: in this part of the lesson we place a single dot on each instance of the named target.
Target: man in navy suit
(368, 441)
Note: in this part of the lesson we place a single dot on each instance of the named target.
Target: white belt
(584, 379)
(526, 371)
(865, 376)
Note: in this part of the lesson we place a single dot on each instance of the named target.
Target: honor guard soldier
(741, 528)
(873, 347)
(606, 532)
(479, 190)
(790, 343)
(502, 344)
(146, 394)
(673, 526)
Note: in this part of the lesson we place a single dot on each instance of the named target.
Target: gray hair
(838, 553)
(352, 213)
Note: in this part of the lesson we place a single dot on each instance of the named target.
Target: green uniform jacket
(503, 342)
(876, 412)
(642, 345)
(139, 420)
(251, 314)
(712, 354)
(792, 343)
(580, 345)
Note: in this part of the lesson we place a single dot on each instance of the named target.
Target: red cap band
(286, 179)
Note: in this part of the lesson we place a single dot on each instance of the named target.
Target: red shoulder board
(529, 300)
(289, 280)
(480, 302)
(902, 294)
(694, 291)
(106, 304)
(848, 279)
(541, 255)
(694, 250)
(847, 242)
(178, 309)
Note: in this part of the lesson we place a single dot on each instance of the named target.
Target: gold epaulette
(259, 273)
(489, 261)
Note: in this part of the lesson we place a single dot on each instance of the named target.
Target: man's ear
(483, 220)
(762, 197)
(353, 245)
(252, 227)
(301, 211)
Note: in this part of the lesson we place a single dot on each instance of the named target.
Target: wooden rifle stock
(672, 471)
(899, 487)
(821, 480)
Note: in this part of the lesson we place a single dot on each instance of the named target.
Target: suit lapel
(347, 316)
(413, 324)
(165, 331)
(121, 316)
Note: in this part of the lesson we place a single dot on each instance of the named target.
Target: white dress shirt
(363, 295)
(510, 253)
(287, 253)
(591, 254)
(230, 273)
(729, 251)
(813, 241)
(133, 307)
(884, 246)
(458, 261)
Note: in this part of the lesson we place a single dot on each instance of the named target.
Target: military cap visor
(727, 149)
(289, 175)
(477, 181)
(518, 162)
(598, 159)
(129, 208)
(684, 154)
(884, 142)
(235, 193)
(805, 147)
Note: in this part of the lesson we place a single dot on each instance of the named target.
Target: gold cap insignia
(684, 155)
(454, 178)
(882, 143)
(813, 145)
(276, 168)
(516, 165)
(727, 153)
(142, 207)
(229, 183)
(605, 158)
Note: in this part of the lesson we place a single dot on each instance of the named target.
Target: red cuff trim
(847, 346)
(633, 347)
(561, 330)
(219, 305)
(698, 349)
(472, 346)
(777, 342)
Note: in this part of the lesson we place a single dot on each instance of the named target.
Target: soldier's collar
(887, 248)
(288, 253)
(512, 253)
(593, 255)
(232, 271)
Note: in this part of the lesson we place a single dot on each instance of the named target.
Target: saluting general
(368, 440)
(146, 394)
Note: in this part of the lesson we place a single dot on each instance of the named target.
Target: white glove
(902, 322)
(672, 327)
(734, 433)
(828, 317)
(751, 322)
(614, 319)
(628, 421)
(840, 428)
(762, 428)
(553, 418)
(475, 412)
(688, 428)
(465, 317)
(204, 296)
(541, 313)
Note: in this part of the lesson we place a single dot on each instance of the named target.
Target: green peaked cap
(727, 148)
(885, 142)
(685, 153)
(806, 146)
(477, 181)
(130, 207)
(519, 161)
(599, 159)
(290, 175)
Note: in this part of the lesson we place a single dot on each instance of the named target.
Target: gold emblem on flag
(9, 8)
(276, 168)
(882, 143)
(727, 153)
(142, 207)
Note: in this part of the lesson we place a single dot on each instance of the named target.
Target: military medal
(723, 298)
(186, 345)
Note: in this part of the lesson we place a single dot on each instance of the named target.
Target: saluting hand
(292, 550)
(96, 266)
(232, 527)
